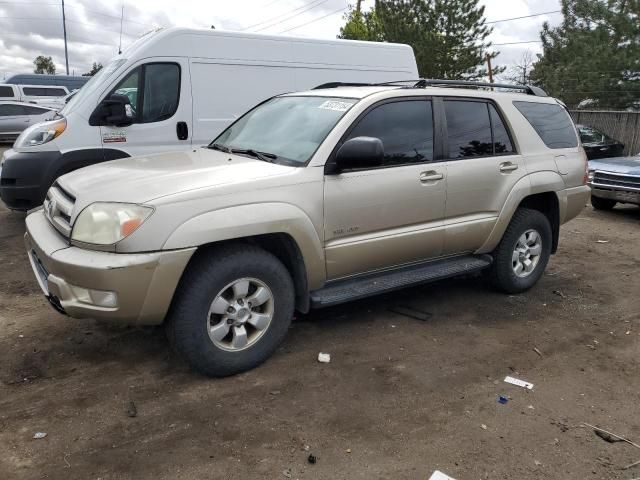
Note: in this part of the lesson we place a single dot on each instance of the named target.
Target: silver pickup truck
(614, 180)
(309, 200)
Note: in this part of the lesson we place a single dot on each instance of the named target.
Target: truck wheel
(602, 203)
(523, 253)
(231, 311)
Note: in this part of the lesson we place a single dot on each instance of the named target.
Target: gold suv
(308, 200)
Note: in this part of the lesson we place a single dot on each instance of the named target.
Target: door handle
(182, 130)
(430, 176)
(507, 167)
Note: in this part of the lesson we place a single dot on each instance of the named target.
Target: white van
(179, 88)
(51, 96)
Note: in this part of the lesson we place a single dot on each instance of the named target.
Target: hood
(625, 165)
(142, 179)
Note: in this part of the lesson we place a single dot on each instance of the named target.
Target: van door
(159, 94)
(482, 170)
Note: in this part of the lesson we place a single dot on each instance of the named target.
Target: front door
(159, 94)
(390, 215)
(483, 168)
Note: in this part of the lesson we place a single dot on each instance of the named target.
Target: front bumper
(143, 283)
(26, 177)
(619, 195)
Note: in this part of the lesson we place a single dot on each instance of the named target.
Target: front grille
(58, 207)
(616, 181)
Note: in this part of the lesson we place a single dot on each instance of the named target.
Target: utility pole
(489, 68)
(359, 6)
(121, 20)
(64, 29)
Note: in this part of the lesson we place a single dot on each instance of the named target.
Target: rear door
(482, 169)
(13, 119)
(160, 105)
(392, 215)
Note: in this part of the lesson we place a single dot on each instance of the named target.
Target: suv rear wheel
(523, 253)
(232, 310)
(602, 203)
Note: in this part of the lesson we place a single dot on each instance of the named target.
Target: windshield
(88, 87)
(288, 128)
(591, 135)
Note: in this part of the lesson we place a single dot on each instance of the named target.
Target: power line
(313, 21)
(95, 25)
(287, 15)
(525, 16)
(515, 43)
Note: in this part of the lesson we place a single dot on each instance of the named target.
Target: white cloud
(93, 26)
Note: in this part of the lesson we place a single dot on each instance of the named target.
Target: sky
(29, 28)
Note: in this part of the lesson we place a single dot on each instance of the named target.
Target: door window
(469, 129)
(153, 91)
(405, 128)
(34, 110)
(501, 141)
(6, 92)
(11, 110)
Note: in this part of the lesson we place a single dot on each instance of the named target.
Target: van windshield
(284, 129)
(90, 86)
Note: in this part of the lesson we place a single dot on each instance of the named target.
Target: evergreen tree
(593, 58)
(449, 37)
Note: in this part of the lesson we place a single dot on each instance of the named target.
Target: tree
(449, 37)
(44, 65)
(95, 68)
(520, 72)
(593, 57)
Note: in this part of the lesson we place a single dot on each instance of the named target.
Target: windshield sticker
(335, 105)
(114, 137)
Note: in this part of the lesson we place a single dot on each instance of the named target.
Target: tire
(215, 275)
(602, 203)
(502, 272)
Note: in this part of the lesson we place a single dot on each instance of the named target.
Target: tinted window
(405, 128)
(11, 110)
(551, 122)
(590, 135)
(6, 92)
(469, 129)
(161, 91)
(501, 141)
(34, 110)
(54, 92)
(34, 91)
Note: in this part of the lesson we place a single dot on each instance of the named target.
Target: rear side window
(468, 128)
(551, 122)
(405, 128)
(11, 110)
(44, 92)
(6, 92)
(34, 110)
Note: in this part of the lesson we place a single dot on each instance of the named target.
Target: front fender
(255, 219)
(538, 182)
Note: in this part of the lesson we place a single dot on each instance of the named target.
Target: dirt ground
(400, 398)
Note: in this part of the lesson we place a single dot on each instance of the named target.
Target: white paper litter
(438, 475)
(518, 382)
(324, 357)
(39, 435)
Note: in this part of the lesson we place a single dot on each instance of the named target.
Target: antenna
(121, 20)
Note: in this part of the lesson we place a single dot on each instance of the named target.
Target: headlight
(41, 133)
(590, 175)
(108, 223)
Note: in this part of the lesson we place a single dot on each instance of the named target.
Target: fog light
(99, 298)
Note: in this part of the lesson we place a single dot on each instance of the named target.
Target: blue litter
(502, 399)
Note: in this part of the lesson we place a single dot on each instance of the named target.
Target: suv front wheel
(523, 253)
(232, 310)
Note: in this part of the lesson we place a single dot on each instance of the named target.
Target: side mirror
(113, 111)
(359, 152)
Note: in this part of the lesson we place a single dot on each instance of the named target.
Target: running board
(373, 284)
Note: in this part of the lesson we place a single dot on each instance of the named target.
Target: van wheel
(231, 311)
(602, 203)
(523, 252)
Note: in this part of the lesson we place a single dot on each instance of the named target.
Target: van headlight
(41, 133)
(108, 223)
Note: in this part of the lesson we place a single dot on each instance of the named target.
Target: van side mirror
(359, 152)
(114, 111)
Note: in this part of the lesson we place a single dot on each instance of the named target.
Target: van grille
(58, 206)
(616, 181)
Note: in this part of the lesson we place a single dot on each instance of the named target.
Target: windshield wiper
(217, 146)
(264, 156)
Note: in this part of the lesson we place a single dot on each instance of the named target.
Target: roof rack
(427, 82)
